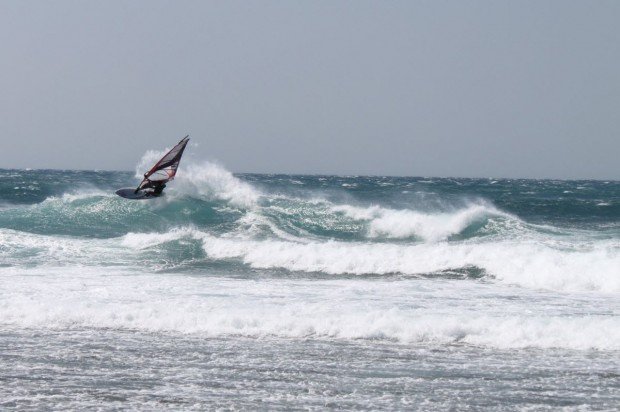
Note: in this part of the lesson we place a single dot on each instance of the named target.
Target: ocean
(289, 292)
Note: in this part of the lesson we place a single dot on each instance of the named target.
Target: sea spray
(400, 224)
(395, 259)
(209, 180)
(403, 286)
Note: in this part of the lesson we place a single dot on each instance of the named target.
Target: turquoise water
(285, 292)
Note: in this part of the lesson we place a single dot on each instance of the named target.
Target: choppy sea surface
(281, 292)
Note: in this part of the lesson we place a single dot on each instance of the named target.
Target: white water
(431, 227)
(205, 180)
(561, 267)
(222, 294)
(539, 290)
(406, 311)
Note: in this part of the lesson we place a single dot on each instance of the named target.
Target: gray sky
(441, 88)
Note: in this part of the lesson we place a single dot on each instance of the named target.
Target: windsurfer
(161, 173)
(157, 186)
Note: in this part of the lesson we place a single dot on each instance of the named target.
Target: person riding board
(157, 186)
(161, 173)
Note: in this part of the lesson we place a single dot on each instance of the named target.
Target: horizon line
(348, 175)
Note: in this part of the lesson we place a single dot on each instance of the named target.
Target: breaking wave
(531, 265)
(432, 227)
(206, 180)
(290, 309)
(230, 219)
(393, 259)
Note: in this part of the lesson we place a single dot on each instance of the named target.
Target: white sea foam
(551, 265)
(431, 227)
(12, 242)
(528, 264)
(253, 223)
(61, 281)
(205, 179)
(146, 240)
(210, 180)
(8, 205)
(23, 249)
(411, 311)
(78, 194)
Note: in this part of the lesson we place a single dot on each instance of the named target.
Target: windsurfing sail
(164, 170)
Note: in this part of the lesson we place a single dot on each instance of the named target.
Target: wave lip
(531, 265)
(208, 180)
(431, 227)
(146, 240)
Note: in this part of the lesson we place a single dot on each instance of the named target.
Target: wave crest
(205, 180)
(532, 265)
(213, 306)
(431, 227)
(209, 180)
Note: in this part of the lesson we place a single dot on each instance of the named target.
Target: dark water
(306, 292)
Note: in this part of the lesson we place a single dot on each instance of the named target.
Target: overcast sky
(422, 88)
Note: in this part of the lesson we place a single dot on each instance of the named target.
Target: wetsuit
(158, 188)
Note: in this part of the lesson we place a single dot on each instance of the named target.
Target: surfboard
(130, 193)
